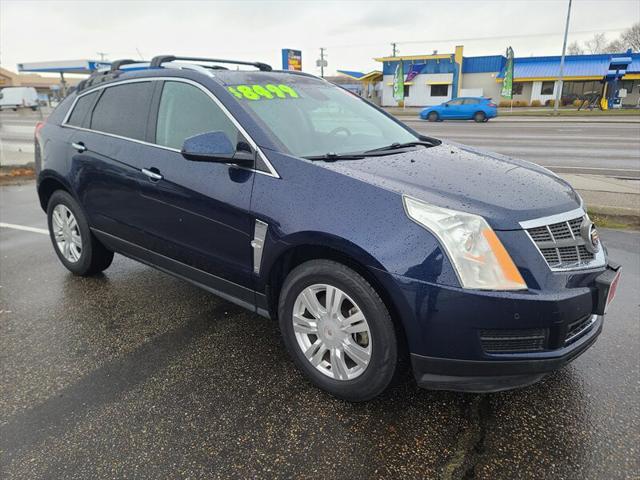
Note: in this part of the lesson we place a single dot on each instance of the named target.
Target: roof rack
(118, 63)
(157, 62)
(100, 76)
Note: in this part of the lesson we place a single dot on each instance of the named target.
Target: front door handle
(152, 173)
(79, 146)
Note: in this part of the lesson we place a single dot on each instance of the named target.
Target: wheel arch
(356, 259)
(49, 183)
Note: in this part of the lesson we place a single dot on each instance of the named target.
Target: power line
(468, 39)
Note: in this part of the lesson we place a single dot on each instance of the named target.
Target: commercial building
(436, 78)
(44, 85)
(429, 79)
(49, 87)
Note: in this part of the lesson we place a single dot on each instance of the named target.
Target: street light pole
(564, 49)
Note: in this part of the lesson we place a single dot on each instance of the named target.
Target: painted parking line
(43, 231)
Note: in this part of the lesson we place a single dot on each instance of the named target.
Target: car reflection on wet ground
(138, 374)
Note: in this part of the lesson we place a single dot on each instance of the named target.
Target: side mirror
(216, 147)
(446, 105)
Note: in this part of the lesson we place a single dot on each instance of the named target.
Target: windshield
(311, 117)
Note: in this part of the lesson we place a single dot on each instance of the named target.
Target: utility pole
(564, 49)
(102, 55)
(393, 45)
(322, 62)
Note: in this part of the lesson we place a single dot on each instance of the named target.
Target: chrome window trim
(272, 171)
(599, 260)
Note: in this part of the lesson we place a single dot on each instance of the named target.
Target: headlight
(477, 254)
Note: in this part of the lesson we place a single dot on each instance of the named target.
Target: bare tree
(574, 48)
(617, 46)
(597, 44)
(630, 38)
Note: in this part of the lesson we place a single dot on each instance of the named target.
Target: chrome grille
(561, 244)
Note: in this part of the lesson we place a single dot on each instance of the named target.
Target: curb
(612, 211)
(615, 217)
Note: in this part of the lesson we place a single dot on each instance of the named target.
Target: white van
(18, 97)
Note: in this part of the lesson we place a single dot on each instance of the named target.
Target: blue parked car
(479, 109)
(374, 247)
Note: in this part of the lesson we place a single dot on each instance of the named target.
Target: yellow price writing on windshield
(257, 92)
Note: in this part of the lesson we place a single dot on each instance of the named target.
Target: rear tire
(433, 117)
(353, 360)
(480, 117)
(77, 248)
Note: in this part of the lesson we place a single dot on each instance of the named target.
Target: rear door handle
(79, 146)
(151, 174)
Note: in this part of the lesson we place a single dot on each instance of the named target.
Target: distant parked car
(18, 97)
(479, 109)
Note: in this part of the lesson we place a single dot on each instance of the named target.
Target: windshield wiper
(397, 145)
(332, 157)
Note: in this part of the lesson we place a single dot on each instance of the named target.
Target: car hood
(503, 190)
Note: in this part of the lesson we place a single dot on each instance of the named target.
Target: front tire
(433, 117)
(338, 330)
(77, 248)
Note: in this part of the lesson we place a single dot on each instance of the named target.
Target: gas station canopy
(63, 66)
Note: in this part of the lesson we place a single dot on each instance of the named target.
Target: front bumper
(495, 375)
(490, 341)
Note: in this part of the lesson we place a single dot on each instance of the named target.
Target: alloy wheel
(332, 332)
(66, 233)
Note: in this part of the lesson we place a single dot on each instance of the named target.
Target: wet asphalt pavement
(135, 374)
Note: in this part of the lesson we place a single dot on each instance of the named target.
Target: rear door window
(79, 117)
(124, 110)
(471, 101)
(185, 111)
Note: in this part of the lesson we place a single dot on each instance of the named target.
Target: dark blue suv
(372, 245)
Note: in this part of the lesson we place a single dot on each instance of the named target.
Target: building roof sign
(63, 66)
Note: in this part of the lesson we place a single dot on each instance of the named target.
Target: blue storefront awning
(574, 66)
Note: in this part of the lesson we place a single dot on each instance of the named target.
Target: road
(566, 147)
(16, 136)
(598, 148)
(136, 374)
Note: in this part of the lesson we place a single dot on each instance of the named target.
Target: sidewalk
(607, 195)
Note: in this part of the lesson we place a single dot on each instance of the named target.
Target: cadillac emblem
(590, 235)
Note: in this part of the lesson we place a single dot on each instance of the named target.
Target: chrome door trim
(272, 171)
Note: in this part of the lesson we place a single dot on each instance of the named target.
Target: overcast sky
(353, 32)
